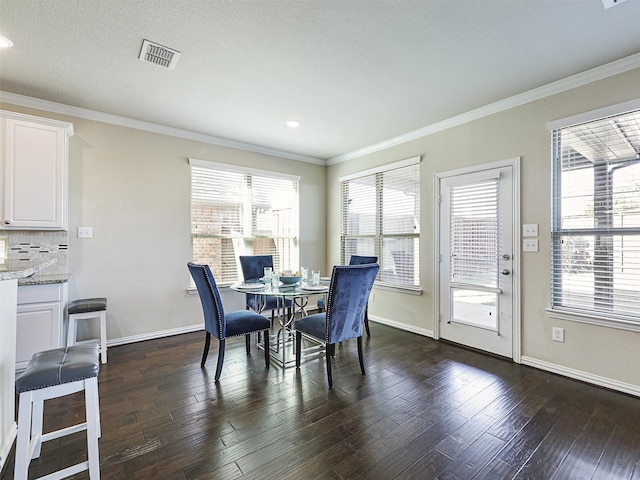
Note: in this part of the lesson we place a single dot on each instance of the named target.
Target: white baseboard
(401, 326)
(7, 443)
(582, 376)
(153, 335)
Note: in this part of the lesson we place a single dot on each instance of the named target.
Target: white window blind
(596, 218)
(380, 216)
(237, 213)
(475, 233)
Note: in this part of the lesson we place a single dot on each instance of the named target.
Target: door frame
(514, 163)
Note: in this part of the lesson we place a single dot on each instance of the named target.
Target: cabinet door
(39, 328)
(35, 164)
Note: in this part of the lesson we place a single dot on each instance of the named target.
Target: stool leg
(24, 437)
(71, 330)
(93, 421)
(37, 417)
(103, 336)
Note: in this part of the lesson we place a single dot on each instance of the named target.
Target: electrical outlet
(557, 334)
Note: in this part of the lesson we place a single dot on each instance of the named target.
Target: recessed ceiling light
(293, 123)
(5, 42)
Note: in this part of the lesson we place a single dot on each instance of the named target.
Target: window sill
(602, 321)
(398, 289)
(194, 290)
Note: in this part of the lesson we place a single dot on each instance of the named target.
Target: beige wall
(588, 351)
(133, 188)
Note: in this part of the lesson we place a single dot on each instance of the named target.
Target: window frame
(379, 236)
(247, 237)
(571, 313)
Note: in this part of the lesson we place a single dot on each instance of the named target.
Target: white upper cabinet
(33, 172)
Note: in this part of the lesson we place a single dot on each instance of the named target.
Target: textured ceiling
(354, 72)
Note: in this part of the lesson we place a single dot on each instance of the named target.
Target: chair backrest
(348, 296)
(210, 299)
(362, 260)
(253, 266)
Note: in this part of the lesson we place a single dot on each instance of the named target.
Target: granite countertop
(21, 269)
(44, 279)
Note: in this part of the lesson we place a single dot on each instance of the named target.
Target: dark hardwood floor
(425, 410)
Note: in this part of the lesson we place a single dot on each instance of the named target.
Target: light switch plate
(530, 245)
(530, 230)
(85, 232)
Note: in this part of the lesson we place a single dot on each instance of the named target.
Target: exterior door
(477, 259)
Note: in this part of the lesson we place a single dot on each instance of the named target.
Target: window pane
(600, 273)
(400, 202)
(399, 261)
(359, 206)
(475, 233)
(596, 217)
(476, 308)
(358, 246)
(626, 196)
(577, 198)
(237, 213)
(217, 205)
(218, 253)
(380, 216)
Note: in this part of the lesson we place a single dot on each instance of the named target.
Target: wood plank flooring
(425, 410)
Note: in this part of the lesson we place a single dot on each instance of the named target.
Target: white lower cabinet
(39, 320)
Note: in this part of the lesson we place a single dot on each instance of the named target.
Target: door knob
(506, 271)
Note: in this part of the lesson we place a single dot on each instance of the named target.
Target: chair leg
(366, 321)
(328, 357)
(267, 353)
(220, 359)
(247, 342)
(207, 343)
(298, 348)
(360, 355)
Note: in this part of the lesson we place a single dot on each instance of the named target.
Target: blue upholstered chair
(225, 325)
(252, 271)
(356, 260)
(347, 301)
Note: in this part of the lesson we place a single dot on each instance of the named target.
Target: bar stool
(51, 374)
(85, 309)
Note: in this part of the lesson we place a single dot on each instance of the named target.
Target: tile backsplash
(39, 245)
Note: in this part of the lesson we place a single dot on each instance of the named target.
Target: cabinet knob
(7, 222)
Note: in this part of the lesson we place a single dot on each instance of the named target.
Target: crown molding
(70, 110)
(599, 73)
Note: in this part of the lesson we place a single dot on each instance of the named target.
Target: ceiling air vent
(611, 3)
(159, 55)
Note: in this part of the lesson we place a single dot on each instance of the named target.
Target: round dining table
(281, 342)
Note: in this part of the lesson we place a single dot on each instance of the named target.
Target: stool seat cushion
(60, 365)
(87, 305)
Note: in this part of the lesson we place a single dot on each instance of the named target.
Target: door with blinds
(476, 259)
